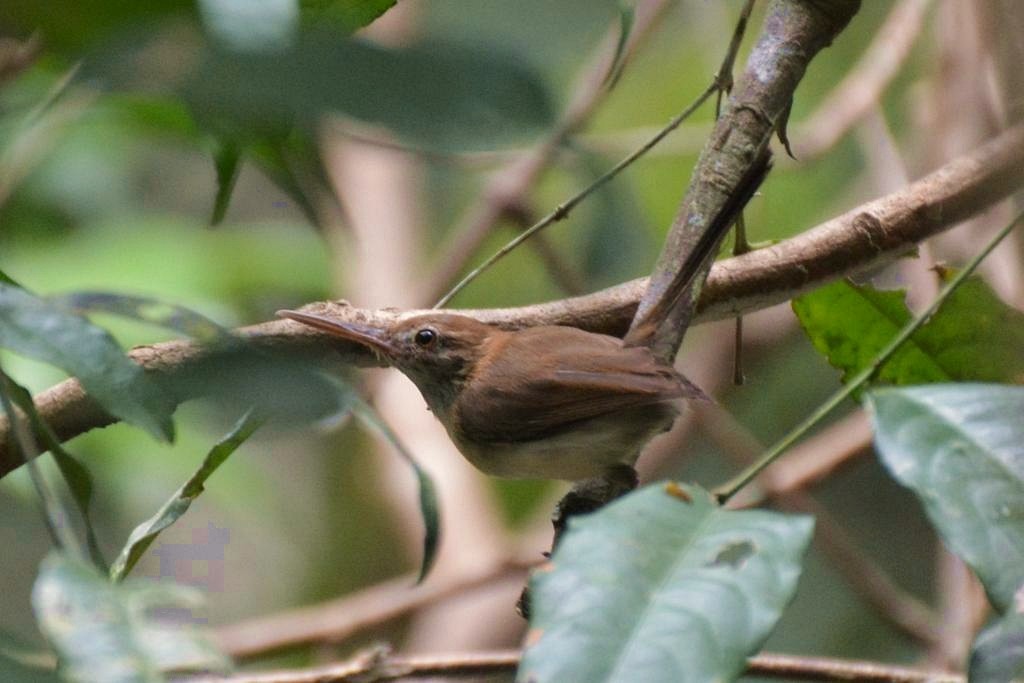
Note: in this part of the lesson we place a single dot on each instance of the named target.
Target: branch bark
(865, 237)
(794, 32)
(379, 665)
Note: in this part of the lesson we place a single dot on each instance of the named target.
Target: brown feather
(573, 376)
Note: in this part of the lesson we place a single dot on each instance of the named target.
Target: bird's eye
(425, 337)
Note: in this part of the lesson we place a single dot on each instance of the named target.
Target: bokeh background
(100, 194)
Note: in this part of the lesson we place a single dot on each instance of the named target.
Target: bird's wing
(542, 385)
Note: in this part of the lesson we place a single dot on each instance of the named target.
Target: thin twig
(508, 187)
(335, 620)
(870, 581)
(721, 79)
(378, 665)
(729, 489)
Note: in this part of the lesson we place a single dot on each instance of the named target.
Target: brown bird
(546, 402)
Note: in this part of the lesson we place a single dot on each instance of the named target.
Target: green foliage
(77, 477)
(144, 309)
(973, 337)
(35, 328)
(347, 14)
(662, 585)
(960, 448)
(144, 534)
(429, 510)
(998, 653)
(108, 632)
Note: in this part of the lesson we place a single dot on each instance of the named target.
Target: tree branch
(379, 665)
(727, 172)
(869, 235)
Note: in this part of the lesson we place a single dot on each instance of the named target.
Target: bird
(543, 402)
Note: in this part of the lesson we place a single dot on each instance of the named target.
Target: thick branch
(794, 32)
(873, 233)
(382, 666)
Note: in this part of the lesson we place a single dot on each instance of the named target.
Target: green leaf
(973, 337)
(8, 280)
(662, 585)
(349, 15)
(960, 448)
(627, 16)
(145, 309)
(433, 95)
(38, 329)
(71, 26)
(227, 161)
(429, 510)
(998, 653)
(77, 477)
(144, 534)
(108, 632)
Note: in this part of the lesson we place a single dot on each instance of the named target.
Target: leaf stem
(727, 490)
(54, 515)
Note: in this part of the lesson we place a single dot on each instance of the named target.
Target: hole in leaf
(734, 554)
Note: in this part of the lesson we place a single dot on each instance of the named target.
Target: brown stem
(335, 620)
(380, 666)
(874, 233)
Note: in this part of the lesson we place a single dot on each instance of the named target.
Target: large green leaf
(434, 95)
(178, 504)
(44, 331)
(960, 448)
(108, 632)
(429, 509)
(662, 585)
(973, 337)
(998, 653)
(75, 474)
(145, 309)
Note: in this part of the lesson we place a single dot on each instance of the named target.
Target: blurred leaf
(973, 337)
(105, 632)
(38, 329)
(171, 316)
(8, 280)
(70, 26)
(251, 25)
(428, 495)
(662, 585)
(348, 14)
(237, 376)
(960, 448)
(615, 245)
(627, 15)
(998, 652)
(434, 95)
(77, 477)
(144, 534)
(227, 160)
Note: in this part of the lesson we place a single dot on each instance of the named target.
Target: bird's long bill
(373, 337)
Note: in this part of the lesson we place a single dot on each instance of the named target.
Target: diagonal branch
(730, 167)
(871, 234)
